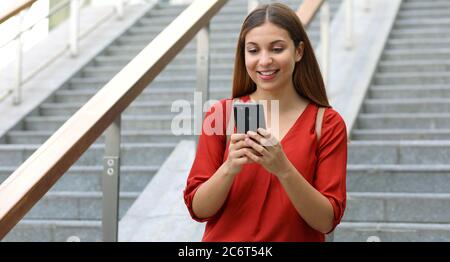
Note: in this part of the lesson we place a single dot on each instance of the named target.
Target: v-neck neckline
(299, 117)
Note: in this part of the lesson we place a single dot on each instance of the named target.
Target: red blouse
(257, 207)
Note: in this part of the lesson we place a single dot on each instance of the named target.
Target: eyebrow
(273, 42)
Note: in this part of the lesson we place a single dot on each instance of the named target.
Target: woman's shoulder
(332, 117)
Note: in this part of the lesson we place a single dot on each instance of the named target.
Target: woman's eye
(252, 51)
(277, 49)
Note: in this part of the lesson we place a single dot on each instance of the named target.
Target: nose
(265, 59)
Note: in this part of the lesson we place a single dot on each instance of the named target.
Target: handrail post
(348, 24)
(202, 84)
(252, 4)
(367, 4)
(111, 182)
(325, 39)
(119, 8)
(74, 26)
(17, 98)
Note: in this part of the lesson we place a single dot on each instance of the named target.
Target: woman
(295, 189)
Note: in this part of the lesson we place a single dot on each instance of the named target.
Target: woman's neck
(287, 97)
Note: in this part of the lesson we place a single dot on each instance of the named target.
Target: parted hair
(307, 78)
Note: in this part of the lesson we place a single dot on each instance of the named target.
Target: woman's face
(270, 57)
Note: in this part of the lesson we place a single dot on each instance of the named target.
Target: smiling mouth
(268, 73)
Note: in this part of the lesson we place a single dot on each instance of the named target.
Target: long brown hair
(307, 79)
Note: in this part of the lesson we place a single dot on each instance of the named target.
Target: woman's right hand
(236, 154)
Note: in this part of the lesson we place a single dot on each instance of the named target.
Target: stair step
(439, 43)
(166, 10)
(422, 13)
(191, 46)
(55, 231)
(214, 27)
(401, 121)
(129, 122)
(412, 67)
(414, 54)
(157, 21)
(149, 94)
(89, 178)
(135, 109)
(422, 33)
(431, 22)
(398, 178)
(132, 50)
(150, 136)
(123, 60)
(398, 207)
(78, 81)
(158, 85)
(109, 72)
(230, 7)
(409, 91)
(428, 5)
(442, 78)
(400, 134)
(392, 232)
(399, 152)
(215, 37)
(143, 154)
(406, 105)
(76, 205)
(161, 83)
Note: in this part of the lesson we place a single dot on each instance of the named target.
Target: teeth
(267, 73)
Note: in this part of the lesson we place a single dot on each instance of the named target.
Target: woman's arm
(314, 207)
(211, 195)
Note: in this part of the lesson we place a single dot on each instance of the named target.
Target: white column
(119, 8)
(17, 92)
(202, 83)
(74, 26)
(348, 24)
(367, 4)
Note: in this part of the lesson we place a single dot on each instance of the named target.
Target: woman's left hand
(271, 155)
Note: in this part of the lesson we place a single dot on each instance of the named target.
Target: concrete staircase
(72, 208)
(399, 168)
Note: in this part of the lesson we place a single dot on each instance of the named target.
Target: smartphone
(248, 117)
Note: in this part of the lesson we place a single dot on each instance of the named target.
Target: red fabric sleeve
(330, 178)
(209, 156)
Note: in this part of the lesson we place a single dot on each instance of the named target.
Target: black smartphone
(248, 116)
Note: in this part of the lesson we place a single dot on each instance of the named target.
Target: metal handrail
(19, 6)
(19, 80)
(55, 9)
(307, 10)
(72, 46)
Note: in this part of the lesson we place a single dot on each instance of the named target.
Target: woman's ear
(299, 52)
